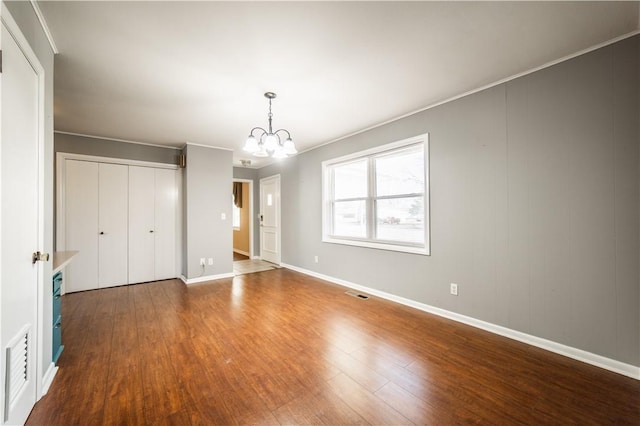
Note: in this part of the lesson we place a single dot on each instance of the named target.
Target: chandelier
(269, 143)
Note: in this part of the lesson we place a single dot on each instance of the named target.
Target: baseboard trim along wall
(197, 280)
(244, 253)
(568, 351)
(47, 379)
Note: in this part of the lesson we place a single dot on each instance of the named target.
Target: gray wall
(534, 206)
(207, 194)
(252, 174)
(25, 17)
(114, 149)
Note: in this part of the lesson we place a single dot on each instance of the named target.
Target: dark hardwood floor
(279, 347)
(238, 256)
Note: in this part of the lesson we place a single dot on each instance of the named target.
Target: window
(379, 198)
(236, 215)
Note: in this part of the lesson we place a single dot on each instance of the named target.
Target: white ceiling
(168, 73)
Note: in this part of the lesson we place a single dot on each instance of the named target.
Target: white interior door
(81, 230)
(270, 219)
(113, 221)
(20, 224)
(141, 224)
(166, 197)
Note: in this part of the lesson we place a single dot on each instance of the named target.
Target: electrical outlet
(211, 261)
(454, 289)
(315, 258)
(202, 261)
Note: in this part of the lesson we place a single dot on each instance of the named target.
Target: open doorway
(244, 261)
(242, 215)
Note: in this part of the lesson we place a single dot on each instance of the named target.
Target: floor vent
(16, 370)
(356, 294)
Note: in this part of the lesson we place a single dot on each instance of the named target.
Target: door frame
(277, 178)
(38, 328)
(251, 224)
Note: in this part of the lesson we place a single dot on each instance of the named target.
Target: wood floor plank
(415, 409)
(162, 391)
(124, 404)
(371, 408)
(358, 371)
(278, 347)
(320, 408)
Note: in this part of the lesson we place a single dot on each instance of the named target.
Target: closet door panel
(166, 196)
(113, 223)
(81, 224)
(142, 229)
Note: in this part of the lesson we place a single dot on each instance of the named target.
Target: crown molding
(45, 27)
(116, 140)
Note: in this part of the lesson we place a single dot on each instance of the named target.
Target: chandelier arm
(283, 130)
(257, 128)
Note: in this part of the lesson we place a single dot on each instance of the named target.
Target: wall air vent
(356, 294)
(17, 373)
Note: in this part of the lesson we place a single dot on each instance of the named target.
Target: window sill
(424, 251)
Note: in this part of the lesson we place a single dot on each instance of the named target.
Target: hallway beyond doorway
(238, 256)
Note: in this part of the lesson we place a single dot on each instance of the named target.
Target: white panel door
(112, 225)
(141, 224)
(270, 219)
(81, 219)
(166, 197)
(20, 227)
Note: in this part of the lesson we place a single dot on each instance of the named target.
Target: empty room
(283, 213)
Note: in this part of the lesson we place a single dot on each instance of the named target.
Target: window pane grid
(391, 197)
(379, 199)
(349, 199)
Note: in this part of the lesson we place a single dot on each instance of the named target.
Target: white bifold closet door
(141, 224)
(96, 224)
(81, 218)
(166, 204)
(113, 221)
(152, 224)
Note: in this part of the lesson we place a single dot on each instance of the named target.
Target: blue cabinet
(57, 317)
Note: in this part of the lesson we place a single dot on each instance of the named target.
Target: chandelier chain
(270, 117)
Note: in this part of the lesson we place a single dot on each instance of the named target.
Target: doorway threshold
(249, 266)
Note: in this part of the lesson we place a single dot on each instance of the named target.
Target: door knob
(39, 257)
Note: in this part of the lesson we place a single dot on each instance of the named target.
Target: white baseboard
(188, 281)
(47, 379)
(568, 351)
(244, 253)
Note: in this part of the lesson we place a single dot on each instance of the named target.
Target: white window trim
(327, 196)
(233, 207)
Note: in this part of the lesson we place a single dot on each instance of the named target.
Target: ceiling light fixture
(268, 143)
